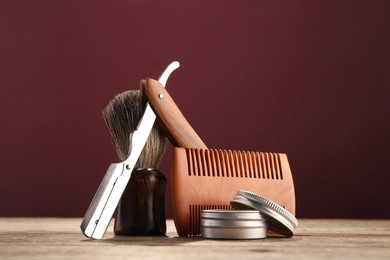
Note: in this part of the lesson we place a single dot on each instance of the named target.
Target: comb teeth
(195, 213)
(236, 164)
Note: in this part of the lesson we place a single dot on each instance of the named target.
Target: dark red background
(308, 78)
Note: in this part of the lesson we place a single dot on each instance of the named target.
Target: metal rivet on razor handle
(160, 96)
(128, 166)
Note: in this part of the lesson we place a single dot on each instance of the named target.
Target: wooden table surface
(61, 238)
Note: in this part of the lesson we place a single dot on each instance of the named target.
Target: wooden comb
(209, 179)
(202, 178)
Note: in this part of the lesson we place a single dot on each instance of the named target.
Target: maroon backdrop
(308, 78)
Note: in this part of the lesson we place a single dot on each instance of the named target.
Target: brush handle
(141, 210)
(170, 118)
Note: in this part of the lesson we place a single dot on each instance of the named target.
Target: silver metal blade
(139, 136)
(167, 72)
(102, 207)
(93, 222)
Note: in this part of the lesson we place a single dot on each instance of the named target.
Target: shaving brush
(141, 210)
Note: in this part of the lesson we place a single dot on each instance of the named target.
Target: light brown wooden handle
(175, 125)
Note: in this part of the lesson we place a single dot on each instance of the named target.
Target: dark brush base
(141, 210)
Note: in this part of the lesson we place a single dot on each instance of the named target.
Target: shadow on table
(146, 240)
(175, 240)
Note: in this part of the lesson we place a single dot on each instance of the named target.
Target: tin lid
(233, 224)
(279, 219)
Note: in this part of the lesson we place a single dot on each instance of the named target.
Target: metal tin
(279, 219)
(232, 224)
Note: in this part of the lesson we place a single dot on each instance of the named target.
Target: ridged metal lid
(279, 219)
(233, 224)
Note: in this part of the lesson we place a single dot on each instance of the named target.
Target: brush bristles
(122, 116)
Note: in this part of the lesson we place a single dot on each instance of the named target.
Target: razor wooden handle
(170, 118)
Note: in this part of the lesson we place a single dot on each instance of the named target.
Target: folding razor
(100, 211)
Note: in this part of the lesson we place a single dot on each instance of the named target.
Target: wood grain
(170, 118)
(55, 238)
